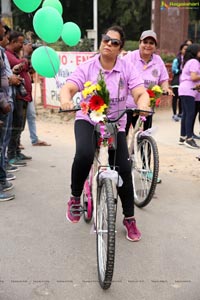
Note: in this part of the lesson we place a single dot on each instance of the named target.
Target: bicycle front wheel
(145, 170)
(105, 229)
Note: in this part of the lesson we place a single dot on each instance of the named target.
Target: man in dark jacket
(19, 67)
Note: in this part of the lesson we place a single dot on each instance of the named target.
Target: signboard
(51, 86)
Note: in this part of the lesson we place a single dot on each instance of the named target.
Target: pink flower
(84, 107)
(157, 102)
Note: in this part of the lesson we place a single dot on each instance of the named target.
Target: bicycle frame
(101, 168)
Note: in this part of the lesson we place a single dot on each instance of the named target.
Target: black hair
(188, 40)
(14, 35)
(191, 52)
(7, 29)
(120, 31)
(182, 46)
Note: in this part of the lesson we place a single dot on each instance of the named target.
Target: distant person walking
(176, 70)
(188, 80)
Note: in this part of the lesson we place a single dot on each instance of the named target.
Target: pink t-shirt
(152, 73)
(186, 83)
(122, 78)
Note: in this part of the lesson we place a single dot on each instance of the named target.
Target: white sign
(51, 86)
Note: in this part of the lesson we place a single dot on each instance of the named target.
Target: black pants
(19, 117)
(176, 99)
(133, 119)
(3, 130)
(188, 108)
(84, 156)
(197, 111)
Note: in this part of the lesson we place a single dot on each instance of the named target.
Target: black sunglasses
(114, 42)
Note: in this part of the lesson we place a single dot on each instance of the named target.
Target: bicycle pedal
(77, 210)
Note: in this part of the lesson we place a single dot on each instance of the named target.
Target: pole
(95, 25)
(6, 13)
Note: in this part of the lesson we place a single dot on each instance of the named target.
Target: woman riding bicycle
(150, 67)
(119, 77)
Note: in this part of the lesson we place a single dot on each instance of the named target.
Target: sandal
(21, 146)
(41, 143)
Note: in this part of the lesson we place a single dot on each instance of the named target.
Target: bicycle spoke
(145, 170)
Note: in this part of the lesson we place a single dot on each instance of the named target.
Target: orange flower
(84, 107)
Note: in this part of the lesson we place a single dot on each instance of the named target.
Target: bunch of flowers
(154, 94)
(98, 102)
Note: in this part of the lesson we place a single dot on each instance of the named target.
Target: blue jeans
(188, 114)
(8, 130)
(31, 119)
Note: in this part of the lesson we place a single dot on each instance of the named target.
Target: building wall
(171, 26)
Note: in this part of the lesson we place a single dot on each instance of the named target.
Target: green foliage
(103, 92)
(85, 45)
(133, 15)
(166, 56)
(131, 45)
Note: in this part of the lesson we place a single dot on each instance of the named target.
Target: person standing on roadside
(14, 80)
(188, 80)
(30, 113)
(20, 67)
(5, 108)
(176, 70)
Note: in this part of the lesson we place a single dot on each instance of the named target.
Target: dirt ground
(177, 160)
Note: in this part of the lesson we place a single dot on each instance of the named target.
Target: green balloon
(45, 61)
(48, 24)
(55, 4)
(71, 33)
(27, 5)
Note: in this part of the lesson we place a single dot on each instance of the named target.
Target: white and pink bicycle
(100, 193)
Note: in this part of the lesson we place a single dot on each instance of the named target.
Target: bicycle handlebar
(134, 110)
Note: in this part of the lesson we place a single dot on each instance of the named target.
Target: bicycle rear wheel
(145, 170)
(105, 229)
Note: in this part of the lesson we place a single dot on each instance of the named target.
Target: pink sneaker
(132, 233)
(73, 213)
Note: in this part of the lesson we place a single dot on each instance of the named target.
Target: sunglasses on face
(114, 42)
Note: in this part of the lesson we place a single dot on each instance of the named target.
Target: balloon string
(51, 61)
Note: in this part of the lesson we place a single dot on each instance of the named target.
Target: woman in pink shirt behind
(150, 67)
(188, 80)
(120, 77)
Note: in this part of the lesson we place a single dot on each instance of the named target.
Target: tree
(133, 15)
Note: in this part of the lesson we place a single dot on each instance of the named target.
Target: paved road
(42, 256)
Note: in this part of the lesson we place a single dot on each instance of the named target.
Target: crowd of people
(16, 106)
(186, 75)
